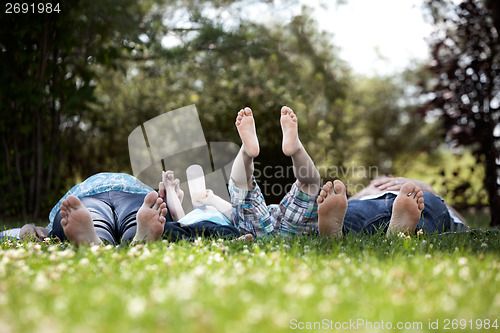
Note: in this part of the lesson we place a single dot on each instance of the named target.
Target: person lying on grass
(392, 204)
(118, 208)
(297, 211)
(215, 211)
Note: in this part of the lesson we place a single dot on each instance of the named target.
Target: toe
(408, 188)
(320, 199)
(339, 187)
(248, 111)
(327, 187)
(150, 199)
(73, 202)
(157, 204)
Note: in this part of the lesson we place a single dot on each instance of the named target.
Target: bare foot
(151, 218)
(290, 130)
(245, 124)
(77, 222)
(332, 207)
(178, 191)
(406, 209)
(176, 187)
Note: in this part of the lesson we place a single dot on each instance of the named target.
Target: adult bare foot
(245, 124)
(332, 206)
(290, 129)
(77, 222)
(406, 209)
(151, 218)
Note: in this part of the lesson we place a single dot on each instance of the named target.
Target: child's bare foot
(176, 184)
(77, 222)
(178, 191)
(290, 130)
(151, 218)
(406, 209)
(245, 124)
(332, 206)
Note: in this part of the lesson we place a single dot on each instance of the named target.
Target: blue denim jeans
(114, 215)
(375, 214)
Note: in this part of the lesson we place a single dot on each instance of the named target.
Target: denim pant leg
(126, 205)
(102, 215)
(375, 214)
(435, 217)
(368, 215)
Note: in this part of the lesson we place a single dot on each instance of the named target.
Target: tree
(46, 82)
(466, 94)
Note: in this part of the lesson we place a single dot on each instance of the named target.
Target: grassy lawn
(272, 285)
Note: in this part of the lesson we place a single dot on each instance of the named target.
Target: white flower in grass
(136, 306)
(199, 271)
(133, 252)
(145, 254)
(484, 245)
(41, 282)
(428, 256)
(462, 261)
(198, 242)
(168, 261)
(331, 292)
(84, 261)
(464, 273)
(67, 253)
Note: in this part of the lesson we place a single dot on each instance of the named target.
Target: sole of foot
(245, 124)
(151, 218)
(290, 129)
(406, 210)
(77, 222)
(332, 206)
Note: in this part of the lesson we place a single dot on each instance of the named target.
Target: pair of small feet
(332, 207)
(245, 124)
(79, 228)
(170, 183)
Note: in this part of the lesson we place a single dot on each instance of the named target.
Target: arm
(218, 203)
(395, 184)
(173, 202)
(31, 232)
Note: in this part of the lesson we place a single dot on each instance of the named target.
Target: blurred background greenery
(74, 85)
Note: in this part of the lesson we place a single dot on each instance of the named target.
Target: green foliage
(47, 72)
(465, 87)
(215, 286)
(75, 85)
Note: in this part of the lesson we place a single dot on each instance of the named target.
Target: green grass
(272, 285)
